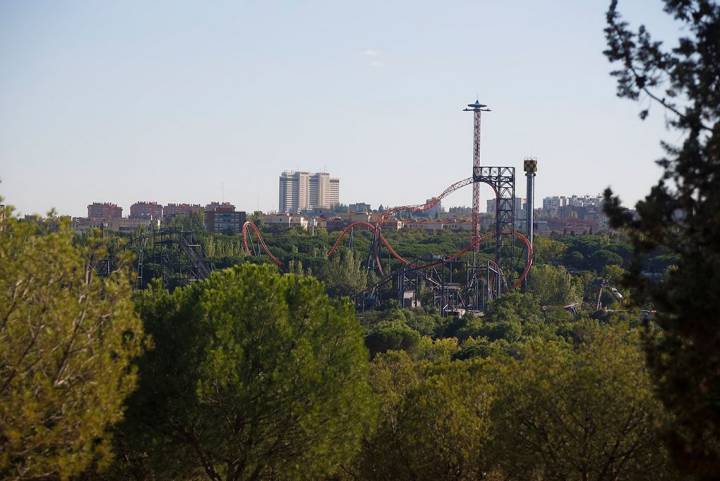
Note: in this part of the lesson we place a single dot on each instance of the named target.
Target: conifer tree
(682, 215)
(67, 336)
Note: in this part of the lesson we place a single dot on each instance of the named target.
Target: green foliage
(223, 250)
(593, 253)
(391, 335)
(514, 307)
(603, 258)
(254, 375)
(425, 323)
(193, 222)
(435, 422)
(540, 409)
(554, 285)
(510, 330)
(590, 413)
(67, 337)
(436, 350)
(345, 276)
(483, 347)
(679, 217)
(548, 250)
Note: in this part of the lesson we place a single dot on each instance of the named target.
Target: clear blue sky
(179, 101)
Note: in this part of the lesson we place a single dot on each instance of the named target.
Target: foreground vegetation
(256, 375)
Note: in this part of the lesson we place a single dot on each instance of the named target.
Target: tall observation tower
(477, 109)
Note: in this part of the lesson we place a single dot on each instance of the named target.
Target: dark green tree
(254, 376)
(514, 307)
(681, 214)
(391, 335)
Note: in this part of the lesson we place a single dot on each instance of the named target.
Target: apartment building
(303, 191)
(146, 210)
(103, 211)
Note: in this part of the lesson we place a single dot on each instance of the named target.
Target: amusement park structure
(497, 261)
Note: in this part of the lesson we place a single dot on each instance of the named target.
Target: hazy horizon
(173, 102)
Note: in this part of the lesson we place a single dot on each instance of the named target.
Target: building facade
(284, 221)
(303, 191)
(103, 211)
(171, 210)
(520, 206)
(146, 210)
(224, 220)
(224, 206)
(360, 207)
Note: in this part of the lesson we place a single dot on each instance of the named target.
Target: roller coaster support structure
(502, 181)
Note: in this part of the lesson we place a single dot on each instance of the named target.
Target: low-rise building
(459, 224)
(127, 225)
(123, 225)
(285, 221)
(83, 224)
(432, 225)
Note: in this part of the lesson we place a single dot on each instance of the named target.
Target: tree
(514, 307)
(681, 215)
(391, 335)
(67, 337)
(435, 423)
(194, 221)
(548, 250)
(579, 415)
(254, 375)
(602, 258)
(345, 275)
(554, 285)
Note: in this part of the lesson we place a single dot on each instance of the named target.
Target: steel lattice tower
(477, 108)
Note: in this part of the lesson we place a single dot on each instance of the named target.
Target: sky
(176, 101)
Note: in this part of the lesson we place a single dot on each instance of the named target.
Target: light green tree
(67, 336)
(588, 414)
(435, 421)
(548, 250)
(553, 285)
(255, 375)
(345, 275)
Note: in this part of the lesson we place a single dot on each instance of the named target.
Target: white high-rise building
(333, 197)
(300, 191)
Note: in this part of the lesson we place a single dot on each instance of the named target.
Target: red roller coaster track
(377, 230)
(261, 242)
(427, 205)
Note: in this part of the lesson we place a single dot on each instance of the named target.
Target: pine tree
(681, 214)
(67, 337)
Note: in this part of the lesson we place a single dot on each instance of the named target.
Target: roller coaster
(482, 282)
(451, 284)
(492, 263)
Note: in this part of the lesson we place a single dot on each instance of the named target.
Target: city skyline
(202, 105)
(547, 202)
